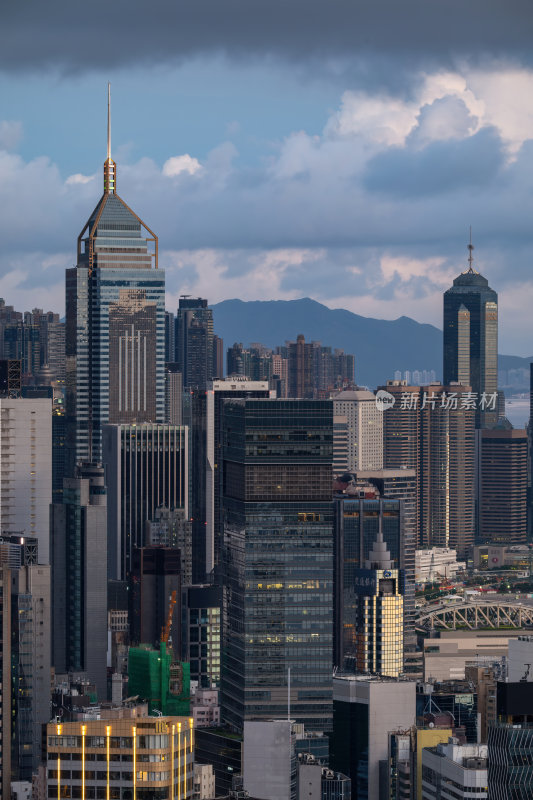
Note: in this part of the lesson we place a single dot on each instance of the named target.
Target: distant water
(517, 411)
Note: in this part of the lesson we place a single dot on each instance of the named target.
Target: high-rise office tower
(146, 468)
(278, 560)
(173, 394)
(401, 433)
(502, 485)
(360, 511)
(220, 391)
(194, 342)
(218, 357)
(170, 337)
(206, 469)
(300, 368)
(363, 430)
(379, 622)
(26, 487)
(30, 660)
(79, 577)
(115, 325)
(446, 479)
(471, 339)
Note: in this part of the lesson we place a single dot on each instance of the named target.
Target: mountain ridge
(380, 346)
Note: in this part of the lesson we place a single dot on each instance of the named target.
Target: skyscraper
(278, 561)
(363, 430)
(26, 487)
(146, 468)
(204, 418)
(471, 338)
(115, 325)
(360, 512)
(502, 485)
(447, 489)
(79, 577)
(379, 625)
(195, 353)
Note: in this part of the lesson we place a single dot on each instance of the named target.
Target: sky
(338, 150)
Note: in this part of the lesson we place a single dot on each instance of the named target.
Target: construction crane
(165, 630)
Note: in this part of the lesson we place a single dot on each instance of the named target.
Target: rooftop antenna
(109, 122)
(110, 170)
(470, 256)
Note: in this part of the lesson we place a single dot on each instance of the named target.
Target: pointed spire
(109, 127)
(379, 557)
(110, 168)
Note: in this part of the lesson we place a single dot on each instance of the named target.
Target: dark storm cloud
(440, 167)
(108, 33)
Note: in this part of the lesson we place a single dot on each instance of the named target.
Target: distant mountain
(380, 346)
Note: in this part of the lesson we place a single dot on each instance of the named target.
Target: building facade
(365, 709)
(447, 460)
(357, 523)
(379, 622)
(363, 428)
(194, 353)
(79, 577)
(470, 324)
(26, 455)
(278, 566)
(146, 468)
(115, 326)
(454, 769)
(502, 485)
(140, 757)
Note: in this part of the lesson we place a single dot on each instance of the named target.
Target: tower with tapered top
(379, 626)
(115, 330)
(471, 340)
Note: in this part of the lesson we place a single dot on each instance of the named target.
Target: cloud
(371, 213)
(178, 164)
(78, 178)
(128, 31)
(441, 167)
(10, 134)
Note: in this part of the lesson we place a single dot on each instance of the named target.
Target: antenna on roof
(470, 256)
(109, 120)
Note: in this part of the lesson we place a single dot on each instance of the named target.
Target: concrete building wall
(269, 769)
(446, 658)
(520, 664)
(26, 469)
(363, 431)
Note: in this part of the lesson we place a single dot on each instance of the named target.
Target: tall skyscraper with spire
(379, 626)
(471, 339)
(115, 330)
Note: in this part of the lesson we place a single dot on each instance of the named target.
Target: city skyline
(286, 167)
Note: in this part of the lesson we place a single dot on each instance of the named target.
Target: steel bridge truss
(476, 615)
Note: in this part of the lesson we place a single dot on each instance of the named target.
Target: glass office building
(278, 561)
(357, 523)
(471, 338)
(115, 326)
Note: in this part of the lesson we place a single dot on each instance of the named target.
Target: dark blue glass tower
(278, 561)
(471, 339)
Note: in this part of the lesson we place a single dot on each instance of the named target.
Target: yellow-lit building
(379, 630)
(142, 758)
